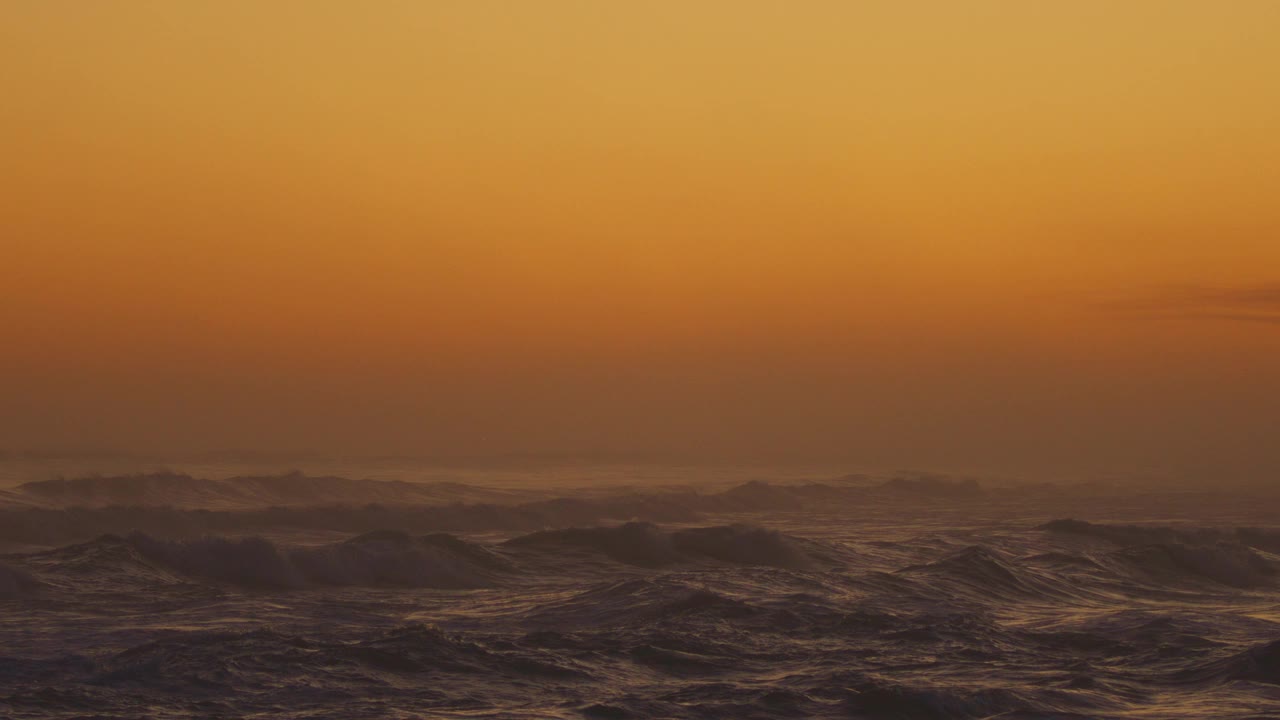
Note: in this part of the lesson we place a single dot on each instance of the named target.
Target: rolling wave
(1167, 555)
(373, 560)
(645, 545)
(17, 583)
(760, 615)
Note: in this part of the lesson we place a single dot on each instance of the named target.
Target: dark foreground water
(915, 610)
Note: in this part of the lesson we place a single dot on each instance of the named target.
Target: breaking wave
(376, 559)
(16, 583)
(1223, 563)
(984, 571)
(395, 558)
(398, 559)
(1260, 664)
(1266, 539)
(1166, 555)
(639, 601)
(54, 512)
(639, 544)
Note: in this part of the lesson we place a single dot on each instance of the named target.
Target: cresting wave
(645, 545)
(1261, 538)
(1226, 556)
(377, 559)
(440, 560)
(57, 512)
(1257, 664)
(16, 583)
(397, 559)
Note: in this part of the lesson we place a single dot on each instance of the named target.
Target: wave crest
(375, 559)
(646, 545)
(15, 583)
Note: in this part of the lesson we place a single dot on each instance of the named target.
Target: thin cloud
(1259, 303)
(1264, 297)
(1246, 317)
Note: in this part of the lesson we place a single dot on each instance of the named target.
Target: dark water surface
(1150, 607)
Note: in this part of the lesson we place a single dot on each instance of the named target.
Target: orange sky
(919, 233)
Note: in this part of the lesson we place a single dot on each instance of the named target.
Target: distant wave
(985, 571)
(398, 559)
(1228, 557)
(166, 489)
(393, 558)
(55, 512)
(42, 526)
(645, 545)
(635, 620)
(1223, 563)
(16, 583)
(249, 561)
(377, 559)
(1260, 663)
(882, 698)
(218, 662)
(638, 601)
(1262, 538)
(636, 543)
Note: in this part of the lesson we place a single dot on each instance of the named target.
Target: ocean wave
(45, 526)
(398, 559)
(646, 545)
(749, 545)
(985, 571)
(254, 562)
(1267, 539)
(16, 583)
(636, 543)
(1224, 564)
(52, 512)
(374, 560)
(1234, 557)
(293, 489)
(637, 621)
(639, 601)
(1259, 663)
(203, 662)
(880, 698)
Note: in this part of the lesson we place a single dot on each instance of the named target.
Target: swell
(38, 526)
(15, 583)
(398, 559)
(1260, 663)
(645, 545)
(439, 560)
(389, 559)
(979, 573)
(695, 663)
(638, 621)
(56, 512)
(168, 489)
(1267, 539)
(1233, 557)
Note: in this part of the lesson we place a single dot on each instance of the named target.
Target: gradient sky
(1032, 236)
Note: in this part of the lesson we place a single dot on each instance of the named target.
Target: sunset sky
(1024, 236)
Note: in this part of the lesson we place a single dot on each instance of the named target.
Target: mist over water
(904, 595)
